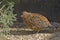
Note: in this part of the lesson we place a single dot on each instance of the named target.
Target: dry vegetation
(28, 34)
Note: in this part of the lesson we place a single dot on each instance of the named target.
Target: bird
(35, 21)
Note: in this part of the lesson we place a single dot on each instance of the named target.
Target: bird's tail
(54, 25)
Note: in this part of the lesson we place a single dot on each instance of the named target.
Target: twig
(2, 7)
(1, 2)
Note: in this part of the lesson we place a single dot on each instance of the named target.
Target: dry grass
(28, 34)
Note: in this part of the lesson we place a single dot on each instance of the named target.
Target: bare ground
(28, 34)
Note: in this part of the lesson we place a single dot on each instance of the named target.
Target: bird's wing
(36, 21)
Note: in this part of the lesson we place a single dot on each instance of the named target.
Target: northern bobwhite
(35, 21)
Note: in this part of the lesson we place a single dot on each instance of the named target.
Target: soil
(22, 33)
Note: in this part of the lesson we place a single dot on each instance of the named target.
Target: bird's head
(25, 14)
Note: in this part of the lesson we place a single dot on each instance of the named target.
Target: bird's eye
(24, 18)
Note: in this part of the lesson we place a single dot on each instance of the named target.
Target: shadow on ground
(27, 32)
(19, 31)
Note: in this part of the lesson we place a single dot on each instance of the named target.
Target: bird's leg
(37, 31)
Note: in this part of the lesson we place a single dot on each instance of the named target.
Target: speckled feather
(35, 21)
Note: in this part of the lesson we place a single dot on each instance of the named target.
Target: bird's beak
(21, 15)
